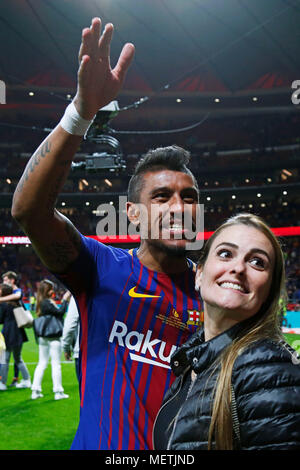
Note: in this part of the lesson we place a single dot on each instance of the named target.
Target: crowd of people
(278, 213)
(32, 271)
(240, 132)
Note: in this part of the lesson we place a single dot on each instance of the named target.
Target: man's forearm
(44, 176)
(8, 298)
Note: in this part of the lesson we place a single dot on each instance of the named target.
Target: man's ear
(198, 278)
(133, 213)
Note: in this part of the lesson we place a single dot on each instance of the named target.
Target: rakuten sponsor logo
(141, 343)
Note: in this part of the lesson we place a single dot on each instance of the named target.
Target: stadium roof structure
(225, 56)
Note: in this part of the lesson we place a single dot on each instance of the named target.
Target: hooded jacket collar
(200, 354)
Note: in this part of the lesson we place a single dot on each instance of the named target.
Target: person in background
(14, 339)
(32, 300)
(11, 278)
(238, 381)
(70, 337)
(49, 346)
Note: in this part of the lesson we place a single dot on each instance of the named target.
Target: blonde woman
(49, 346)
(238, 381)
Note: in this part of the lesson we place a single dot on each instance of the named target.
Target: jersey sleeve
(95, 261)
(80, 275)
(18, 291)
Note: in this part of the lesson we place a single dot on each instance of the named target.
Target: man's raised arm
(52, 235)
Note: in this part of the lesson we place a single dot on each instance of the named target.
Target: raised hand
(98, 83)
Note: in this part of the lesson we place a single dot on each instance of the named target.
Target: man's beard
(170, 250)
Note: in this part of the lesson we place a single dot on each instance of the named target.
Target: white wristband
(73, 123)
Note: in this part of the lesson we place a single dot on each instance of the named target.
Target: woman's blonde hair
(43, 290)
(265, 324)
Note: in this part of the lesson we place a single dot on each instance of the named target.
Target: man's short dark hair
(172, 158)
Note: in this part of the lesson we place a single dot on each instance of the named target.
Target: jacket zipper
(167, 402)
(177, 417)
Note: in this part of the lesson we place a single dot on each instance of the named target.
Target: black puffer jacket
(266, 383)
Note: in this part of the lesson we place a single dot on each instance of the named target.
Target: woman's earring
(198, 283)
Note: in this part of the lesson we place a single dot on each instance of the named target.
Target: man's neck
(160, 261)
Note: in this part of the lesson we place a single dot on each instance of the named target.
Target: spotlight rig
(109, 155)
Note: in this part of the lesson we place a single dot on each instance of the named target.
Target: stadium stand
(249, 164)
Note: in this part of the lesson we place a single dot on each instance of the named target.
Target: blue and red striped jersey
(131, 321)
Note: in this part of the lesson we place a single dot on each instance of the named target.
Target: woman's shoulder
(267, 350)
(266, 382)
(267, 363)
(45, 305)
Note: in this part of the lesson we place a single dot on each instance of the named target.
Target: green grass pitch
(42, 424)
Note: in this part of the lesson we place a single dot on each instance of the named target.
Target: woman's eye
(224, 254)
(257, 262)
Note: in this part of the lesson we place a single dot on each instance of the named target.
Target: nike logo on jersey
(134, 294)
